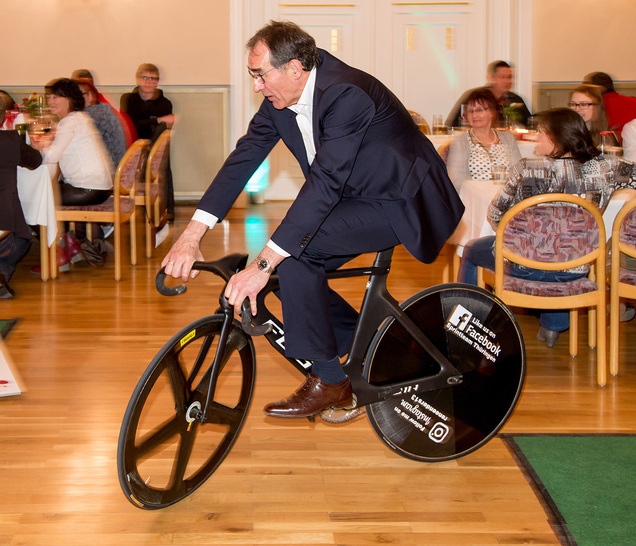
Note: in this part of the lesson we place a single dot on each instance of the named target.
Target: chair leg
(117, 245)
(614, 328)
(456, 261)
(601, 334)
(133, 238)
(148, 238)
(591, 322)
(53, 259)
(44, 254)
(574, 332)
(480, 278)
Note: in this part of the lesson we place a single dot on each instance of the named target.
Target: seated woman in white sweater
(87, 171)
(473, 152)
(77, 147)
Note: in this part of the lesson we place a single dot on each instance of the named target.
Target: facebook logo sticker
(460, 317)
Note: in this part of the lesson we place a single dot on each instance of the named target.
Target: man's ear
(296, 68)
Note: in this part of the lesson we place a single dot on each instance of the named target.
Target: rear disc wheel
(480, 336)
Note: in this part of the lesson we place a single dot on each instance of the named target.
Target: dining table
(37, 198)
(35, 190)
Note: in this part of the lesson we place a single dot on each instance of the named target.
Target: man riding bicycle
(372, 181)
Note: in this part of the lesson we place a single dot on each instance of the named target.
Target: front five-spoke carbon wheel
(164, 451)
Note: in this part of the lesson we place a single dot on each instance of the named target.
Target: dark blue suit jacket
(367, 147)
(13, 153)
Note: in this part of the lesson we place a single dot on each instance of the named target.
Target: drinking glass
(499, 173)
(438, 125)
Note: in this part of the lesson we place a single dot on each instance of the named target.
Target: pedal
(341, 415)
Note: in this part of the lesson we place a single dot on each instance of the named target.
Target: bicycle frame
(377, 306)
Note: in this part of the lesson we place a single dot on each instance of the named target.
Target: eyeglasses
(583, 106)
(149, 78)
(478, 110)
(259, 76)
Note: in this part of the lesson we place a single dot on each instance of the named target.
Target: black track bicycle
(438, 376)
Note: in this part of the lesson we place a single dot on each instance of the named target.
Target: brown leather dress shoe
(311, 398)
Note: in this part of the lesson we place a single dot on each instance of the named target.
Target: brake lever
(246, 318)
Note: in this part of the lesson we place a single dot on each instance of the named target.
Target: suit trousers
(319, 323)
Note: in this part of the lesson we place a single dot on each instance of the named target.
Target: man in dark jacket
(500, 78)
(372, 181)
(15, 234)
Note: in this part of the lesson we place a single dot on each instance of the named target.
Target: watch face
(263, 264)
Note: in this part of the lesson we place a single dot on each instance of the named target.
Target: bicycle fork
(195, 412)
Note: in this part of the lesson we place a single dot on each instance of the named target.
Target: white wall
(44, 39)
(572, 38)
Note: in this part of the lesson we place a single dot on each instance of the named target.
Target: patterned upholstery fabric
(552, 233)
(131, 171)
(158, 157)
(140, 189)
(538, 288)
(126, 205)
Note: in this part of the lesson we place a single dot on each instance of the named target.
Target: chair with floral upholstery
(117, 209)
(555, 232)
(150, 192)
(622, 279)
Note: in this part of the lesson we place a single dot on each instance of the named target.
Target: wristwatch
(264, 265)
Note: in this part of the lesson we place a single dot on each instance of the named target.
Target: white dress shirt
(304, 118)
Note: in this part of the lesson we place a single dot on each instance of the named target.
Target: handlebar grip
(167, 290)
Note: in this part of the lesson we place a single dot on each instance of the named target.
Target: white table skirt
(35, 190)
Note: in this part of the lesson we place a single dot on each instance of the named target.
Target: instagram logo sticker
(439, 433)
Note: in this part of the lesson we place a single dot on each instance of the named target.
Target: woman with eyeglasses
(587, 101)
(473, 152)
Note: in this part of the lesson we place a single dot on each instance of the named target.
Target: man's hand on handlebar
(246, 284)
(249, 282)
(186, 250)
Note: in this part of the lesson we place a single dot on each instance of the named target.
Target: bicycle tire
(480, 336)
(160, 461)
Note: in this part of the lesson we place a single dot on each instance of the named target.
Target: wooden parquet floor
(84, 341)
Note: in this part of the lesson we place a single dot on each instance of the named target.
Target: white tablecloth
(619, 198)
(35, 190)
(477, 195)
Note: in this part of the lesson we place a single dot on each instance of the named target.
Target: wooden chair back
(556, 232)
(622, 275)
